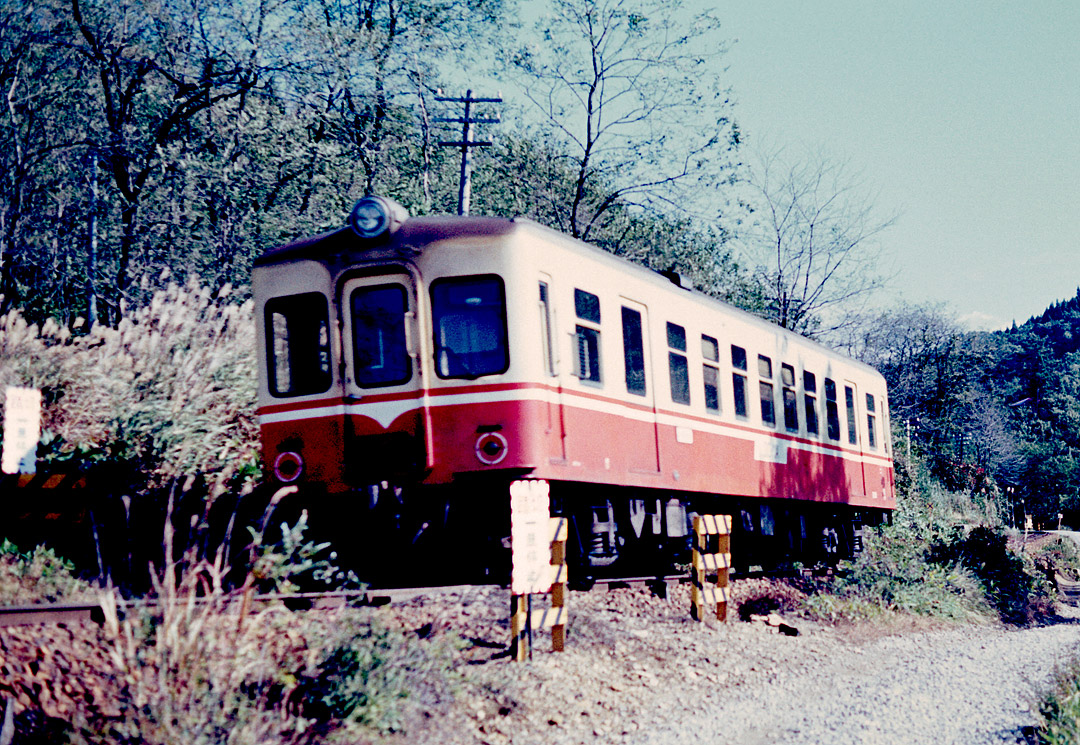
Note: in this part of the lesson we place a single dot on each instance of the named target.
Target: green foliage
(39, 576)
(370, 672)
(1009, 582)
(294, 562)
(895, 573)
(1059, 556)
(1059, 709)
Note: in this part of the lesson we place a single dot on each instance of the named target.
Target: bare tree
(630, 90)
(813, 237)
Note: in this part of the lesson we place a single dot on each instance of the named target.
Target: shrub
(1011, 583)
(39, 576)
(1059, 710)
(192, 666)
(893, 573)
(1058, 556)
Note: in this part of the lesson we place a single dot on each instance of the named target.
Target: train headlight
(491, 448)
(288, 466)
(374, 216)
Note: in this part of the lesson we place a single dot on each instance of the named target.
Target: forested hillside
(996, 412)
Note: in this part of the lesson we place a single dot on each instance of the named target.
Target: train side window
(791, 404)
(871, 422)
(768, 405)
(710, 352)
(587, 306)
(677, 364)
(885, 426)
(469, 319)
(587, 338)
(832, 413)
(810, 401)
(633, 351)
(738, 380)
(380, 354)
(545, 330)
(849, 400)
(298, 344)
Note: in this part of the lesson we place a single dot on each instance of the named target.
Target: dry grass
(171, 390)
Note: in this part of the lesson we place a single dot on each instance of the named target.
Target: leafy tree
(629, 94)
(813, 239)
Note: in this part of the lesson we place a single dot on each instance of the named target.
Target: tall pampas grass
(170, 390)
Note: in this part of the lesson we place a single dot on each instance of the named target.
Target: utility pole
(91, 268)
(466, 142)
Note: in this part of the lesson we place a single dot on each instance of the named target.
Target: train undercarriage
(395, 536)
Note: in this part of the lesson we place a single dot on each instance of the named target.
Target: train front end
(385, 371)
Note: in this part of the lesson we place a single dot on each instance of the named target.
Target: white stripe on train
(767, 446)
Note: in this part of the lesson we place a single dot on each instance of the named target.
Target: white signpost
(22, 430)
(530, 544)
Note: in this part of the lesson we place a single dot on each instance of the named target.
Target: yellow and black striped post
(705, 562)
(555, 617)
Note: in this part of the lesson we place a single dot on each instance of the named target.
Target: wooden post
(705, 562)
(556, 616)
(519, 645)
(558, 582)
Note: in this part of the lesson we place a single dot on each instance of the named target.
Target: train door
(386, 415)
(640, 440)
(854, 440)
(555, 425)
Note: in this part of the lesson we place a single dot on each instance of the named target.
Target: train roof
(416, 231)
(422, 230)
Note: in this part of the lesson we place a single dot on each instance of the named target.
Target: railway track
(24, 615)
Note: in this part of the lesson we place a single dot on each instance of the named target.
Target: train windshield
(298, 342)
(469, 319)
(380, 354)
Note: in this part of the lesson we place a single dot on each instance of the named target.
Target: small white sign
(530, 545)
(22, 430)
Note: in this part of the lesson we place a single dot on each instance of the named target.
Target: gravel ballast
(638, 670)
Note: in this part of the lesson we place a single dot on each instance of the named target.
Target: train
(413, 368)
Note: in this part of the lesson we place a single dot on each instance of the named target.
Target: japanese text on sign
(22, 430)
(529, 544)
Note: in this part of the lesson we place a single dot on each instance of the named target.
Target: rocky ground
(637, 669)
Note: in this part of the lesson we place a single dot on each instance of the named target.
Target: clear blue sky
(965, 115)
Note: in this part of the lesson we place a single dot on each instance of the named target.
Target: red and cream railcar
(444, 357)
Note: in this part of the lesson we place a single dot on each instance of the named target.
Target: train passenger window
(810, 401)
(587, 338)
(633, 351)
(768, 406)
(545, 330)
(791, 405)
(849, 400)
(587, 306)
(469, 319)
(832, 413)
(677, 364)
(871, 438)
(380, 356)
(738, 357)
(884, 426)
(738, 381)
(710, 350)
(764, 366)
(298, 344)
